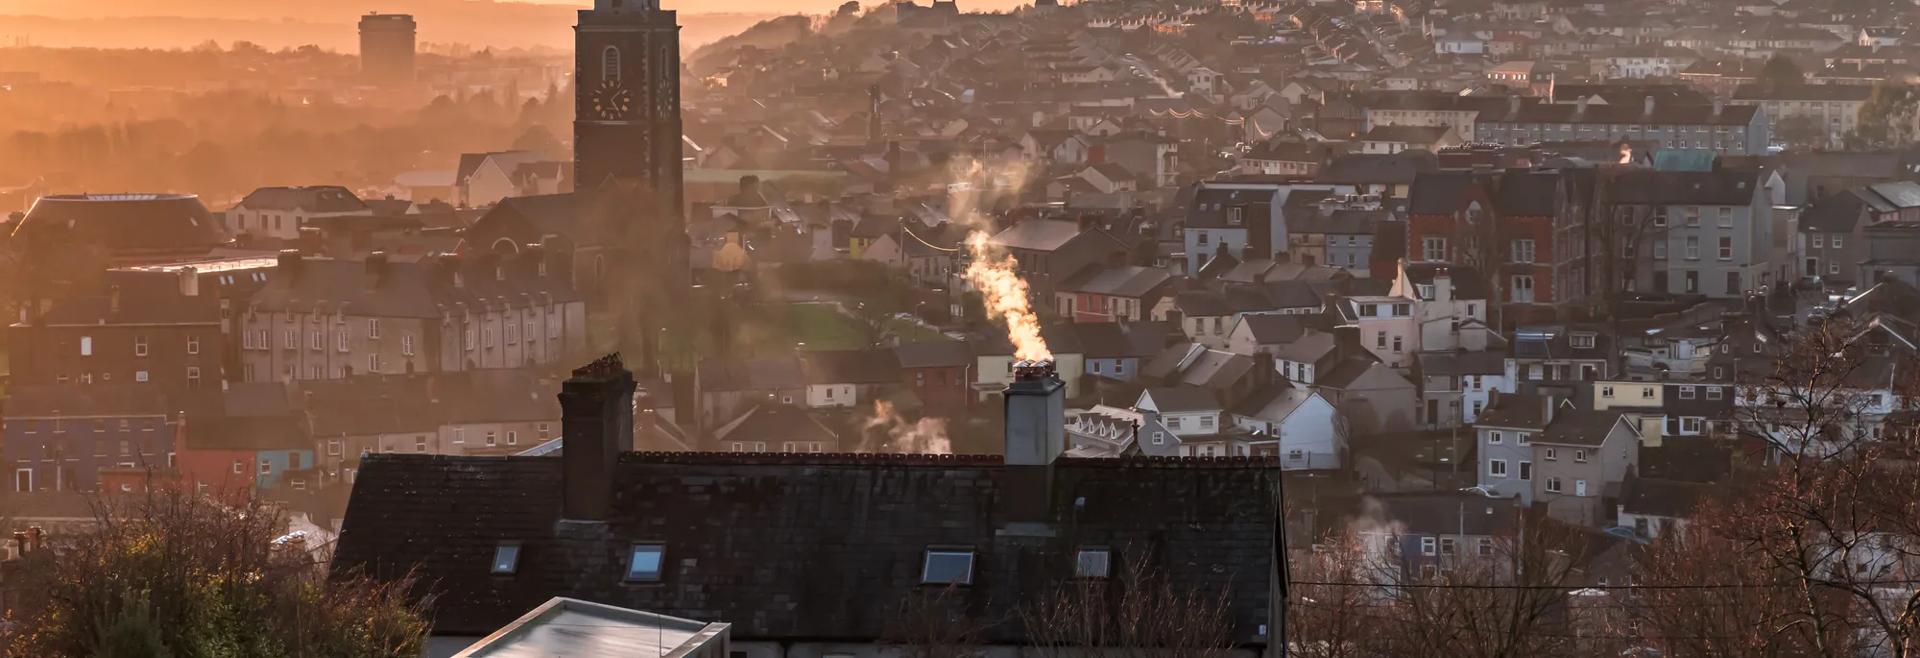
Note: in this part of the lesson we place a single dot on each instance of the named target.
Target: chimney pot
(1035, 414)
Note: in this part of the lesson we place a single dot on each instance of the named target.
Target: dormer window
(947, 566)
(644, 563)
(506, 558)
(1582, 341)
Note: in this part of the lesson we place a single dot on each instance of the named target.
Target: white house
(279, 212)
(1386, 326)
(1185, 410)
(1306, 426)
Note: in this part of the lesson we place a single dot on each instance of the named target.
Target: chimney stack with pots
(596, 425)
(1036, 414)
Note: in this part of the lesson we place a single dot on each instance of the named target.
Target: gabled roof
(1835, 213)
(1269, 329)
(1669, 498)
(1045, 235)
(934, 354)
(1725, 187)
(316, 199)
(69, 400)
(1440, 193)
(1580, 427)
(1130, 281)
(1179, 399)
(1310, 347)
(776, 423)
(1528, 193)
(750, 373)
(875, 366)
(1113, 340)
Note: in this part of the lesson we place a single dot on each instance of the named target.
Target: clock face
(612, 102)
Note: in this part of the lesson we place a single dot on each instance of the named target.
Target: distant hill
(331, 25)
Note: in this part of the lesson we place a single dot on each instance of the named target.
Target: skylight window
(1093, 563)
(952, 566)
(644, 564)
(506, 558)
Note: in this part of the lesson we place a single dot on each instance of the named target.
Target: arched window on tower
(610, 65)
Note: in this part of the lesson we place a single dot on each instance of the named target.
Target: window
(1714, 393)
(1093, 563)
(1433, 249)
(193, 376)
(1200, 236)
(1428, 546)
(1519, 438)
(1606, 392)
(1691, 424)
(947, 567)
(420, 444)
(1819, 240)
(86, 346)
(340, 339)
(1380, 340)
(373, 363)
(513, 438)
(1659, 249)
(1402, 310)
(1660, 217)
(1236, 216)
(23, 479)
(1580, 456)
(1396, 344)
(1686, 392)
(266, 467)
(333, 448)
(1526, 470)
(1523, 288)
(1495, 438)
(1581, 341)
(1646, 392)
(459, 435)
(1693, 215)
(644, 562)
(316, 341)
(139, 345)
(1726, 248)
(238, 467)
(1497, 468)
(1446, 546)
(1579, 487)
(1553, 485)
(544, 431)
(1551, 454)
(1159, 438)
(1522, 251)
(373, 327)
(506, 558)
(406, 345)
(491, 440)
(1836, 241)
(1486, 547)
(1726, 216)
(1693, 247)
(610, 64)
(193, 344)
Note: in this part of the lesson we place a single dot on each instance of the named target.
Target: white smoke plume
(927, 436)
(992, 271)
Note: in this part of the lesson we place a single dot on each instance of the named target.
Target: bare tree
(1135, 612)
(934, 624)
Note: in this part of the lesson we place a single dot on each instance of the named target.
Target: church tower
(627, 109)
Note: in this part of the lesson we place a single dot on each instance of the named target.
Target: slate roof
(146, 297)
(1346, 372)
(774, 544)
(933, 354)
(775, 423)
(1210, 203)
(1528, 193)
(1835, 213)
(1110, 340)
(1272, 329)
(1579, 427)
(1177, 399)
(750, 373)
(65, 400)
(1131, 281)
(1726, 187)
(1668, 114)
(1454, 364)
(1444, 514)
(123, 222)
(421, 289)
(1038, 235)
(1658, 497)
(1363, 168)
(1310, 347)
(1440, 193)
(875, 366)
(1467, 281)
(315, 199)
(1515, 410)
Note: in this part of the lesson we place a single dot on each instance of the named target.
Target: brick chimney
(288, 264)
(596, 425)
(377, 267)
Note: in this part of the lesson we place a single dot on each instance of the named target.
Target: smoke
(1004, 294)
(992, 271)
(927, 436)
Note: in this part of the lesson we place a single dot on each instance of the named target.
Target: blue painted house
(60, 436)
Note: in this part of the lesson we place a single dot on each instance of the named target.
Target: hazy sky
(330, 23)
